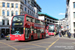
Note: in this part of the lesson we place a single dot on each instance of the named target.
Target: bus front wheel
(42, 37)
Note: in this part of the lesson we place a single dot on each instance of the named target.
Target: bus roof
(30, 16)
(35, 18)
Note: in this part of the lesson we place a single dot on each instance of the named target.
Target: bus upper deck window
(18, 18)
(32, 20)
(37, 21)
(43, 23)
(28, 18)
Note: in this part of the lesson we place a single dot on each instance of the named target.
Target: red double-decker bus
(26, 27)
(50, 29)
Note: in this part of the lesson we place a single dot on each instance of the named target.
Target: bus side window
(29, 30)
(39, 31)
(42, 31)
(34, 30)
(28, 18)
(33, 20)
(43, 23)
(37, 21)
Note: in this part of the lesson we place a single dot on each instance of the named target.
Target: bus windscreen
(17, 30)
(18, 18)
(51, 28)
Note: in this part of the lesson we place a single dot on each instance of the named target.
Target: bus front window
(51, 28)
(18, 18)
(17, 31)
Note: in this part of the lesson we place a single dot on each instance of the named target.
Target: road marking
(33, 47)
(9, 45)
(52, 44)
(29, 48)
(44, 42)
(73, 43)
(38, 45)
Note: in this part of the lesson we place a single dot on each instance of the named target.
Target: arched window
(16, 5)
(16, 12)
(3, 13)
(7, 13)
(12, 13)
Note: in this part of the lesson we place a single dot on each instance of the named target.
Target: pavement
(65, 37)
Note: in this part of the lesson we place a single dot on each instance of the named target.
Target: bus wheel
(32, 38)
(42, 36)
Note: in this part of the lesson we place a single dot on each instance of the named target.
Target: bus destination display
(17, 24)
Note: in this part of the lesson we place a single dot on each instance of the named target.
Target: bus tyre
(45, 36)
(6, 39)
(32, 38)
(42, 36)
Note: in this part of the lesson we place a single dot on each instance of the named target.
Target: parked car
(7, 37)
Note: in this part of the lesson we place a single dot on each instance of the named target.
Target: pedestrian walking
(60, 33)
(69, 34)
(54, 34)
(64, 33)
(2, 35)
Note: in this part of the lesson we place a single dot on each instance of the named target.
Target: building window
(25, 9)
(21, 7)
(28, 11)
(3, 13)
(25, 1)
(16, 12)
(16, 5)
(8, 5)
(3, 4)
(7, 13)
(7, 22)
(12, 13)
(3, 22)
(74, 14)
(74, 4)
(12, 5)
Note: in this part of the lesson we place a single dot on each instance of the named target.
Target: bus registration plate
(16, 39)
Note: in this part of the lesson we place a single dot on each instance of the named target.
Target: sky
(54, 8)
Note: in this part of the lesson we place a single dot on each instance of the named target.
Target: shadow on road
(2, 38)
(34, 40)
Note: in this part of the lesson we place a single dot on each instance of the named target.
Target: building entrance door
(3, 31)
(7, 31)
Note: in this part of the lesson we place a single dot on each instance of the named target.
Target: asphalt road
(49, 43)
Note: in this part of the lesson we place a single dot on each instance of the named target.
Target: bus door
(38, 33)
(27, 32)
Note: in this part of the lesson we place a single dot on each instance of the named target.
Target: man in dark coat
(69, 34)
